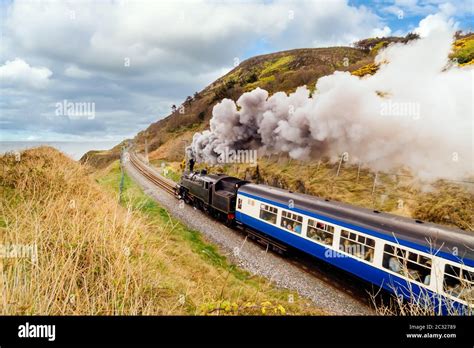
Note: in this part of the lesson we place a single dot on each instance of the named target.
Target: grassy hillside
(95, 256)
(442, 202)
(281, 71)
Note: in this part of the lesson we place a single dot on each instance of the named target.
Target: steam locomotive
(419, 261)
(214, 193)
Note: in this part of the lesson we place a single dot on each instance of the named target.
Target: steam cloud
(415, 112)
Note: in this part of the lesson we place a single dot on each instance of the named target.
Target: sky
(104, 70)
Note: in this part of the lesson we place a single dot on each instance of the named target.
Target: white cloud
(436, 22)
(386, 31)
(187, 35)
(447, 9)
(174, 48)
(407, 8)
(18, 73)
(75, 72)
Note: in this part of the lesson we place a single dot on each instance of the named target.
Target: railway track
(159, 180)
(335, 278)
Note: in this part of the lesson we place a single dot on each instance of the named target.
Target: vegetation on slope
(463, 50)
(281, 71)
(95, 256)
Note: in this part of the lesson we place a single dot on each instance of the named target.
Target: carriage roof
(434, 236)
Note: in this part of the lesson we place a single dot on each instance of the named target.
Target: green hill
(442, 202)
(281, 71)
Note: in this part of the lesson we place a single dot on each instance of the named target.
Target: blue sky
(402, 16)
(54, 52)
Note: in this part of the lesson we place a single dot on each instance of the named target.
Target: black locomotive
(213, 193)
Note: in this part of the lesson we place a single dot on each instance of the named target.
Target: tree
(411, 36)
(224, 91)
(253, 77)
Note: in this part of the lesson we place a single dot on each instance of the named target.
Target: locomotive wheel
(197, 204)
(186, 198)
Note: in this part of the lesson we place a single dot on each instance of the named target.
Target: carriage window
(459, 283)
(239, 203)
(320, 231)
(268, 213)
(291, 221)
(357, 245)
(407, 263)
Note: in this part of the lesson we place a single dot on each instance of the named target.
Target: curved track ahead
(159, 180)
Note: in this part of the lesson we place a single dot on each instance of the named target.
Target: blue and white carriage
(414, 259)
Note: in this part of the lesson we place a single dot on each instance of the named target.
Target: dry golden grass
(174, 148)
(95, 256)
(422, 304)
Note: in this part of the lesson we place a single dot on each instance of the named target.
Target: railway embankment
(71, 247)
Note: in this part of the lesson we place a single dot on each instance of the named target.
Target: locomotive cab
(214, 193)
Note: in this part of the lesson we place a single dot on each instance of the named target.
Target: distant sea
(73, 149)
